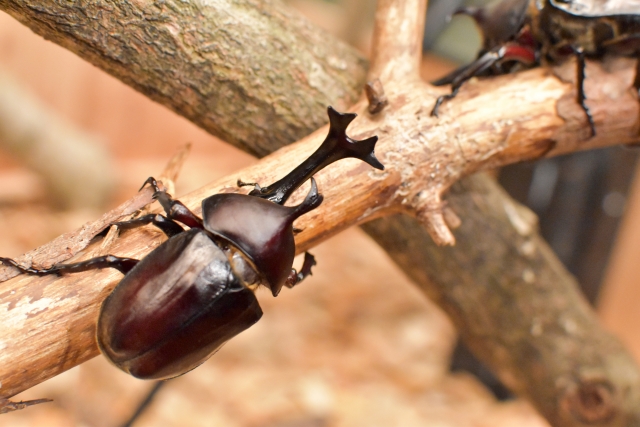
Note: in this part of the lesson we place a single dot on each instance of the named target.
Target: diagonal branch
(58, 314)
(201, 59)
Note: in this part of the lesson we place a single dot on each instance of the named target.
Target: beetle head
(261, 229)
(260, 226)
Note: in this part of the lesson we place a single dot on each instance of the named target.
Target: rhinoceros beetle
(529, 31)
(186, 298)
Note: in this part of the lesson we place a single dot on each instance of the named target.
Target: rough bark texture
(524, 312)
(573, 377)
(252, 72)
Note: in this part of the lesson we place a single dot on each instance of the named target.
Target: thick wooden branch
(226, 66)
(48, 323)
(524, 314)
(58, 314)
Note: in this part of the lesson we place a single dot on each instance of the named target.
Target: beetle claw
(152, 182)
(296, 277)
(256, 186)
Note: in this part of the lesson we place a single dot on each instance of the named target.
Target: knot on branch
(437, 218)
(591, 401)
(376, 97)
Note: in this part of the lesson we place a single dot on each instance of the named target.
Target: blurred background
(356, 344)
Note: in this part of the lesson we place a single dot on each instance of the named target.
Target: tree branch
(493, 122)
(227, 67)
(524, 314)
(399, 26)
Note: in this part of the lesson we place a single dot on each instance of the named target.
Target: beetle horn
(340, 146)
(337, 145)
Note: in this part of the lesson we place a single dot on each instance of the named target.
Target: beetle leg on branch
(108, 261)
(507, 52)
(174, 209)
(168, 226)
(295, 277)
(581, 66)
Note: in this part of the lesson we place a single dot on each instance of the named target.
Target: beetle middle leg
(168, 226)
(297, 277)
(108, 261)
(464, 74)
(507, 52)
(580, 83)
(175, 209)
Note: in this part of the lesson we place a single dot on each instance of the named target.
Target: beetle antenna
(337, 145)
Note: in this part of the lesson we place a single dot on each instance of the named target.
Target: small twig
(172, 170)
(376, 97)
(7, 406)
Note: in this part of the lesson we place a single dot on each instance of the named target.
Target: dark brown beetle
(529, 31)
(179, 304)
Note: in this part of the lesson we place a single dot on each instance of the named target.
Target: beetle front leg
(174, 209)
(463, 74)
(295, 277)
(168, 226)
(508, 52)
(442, 98)
(108, 261)
(581, 64)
